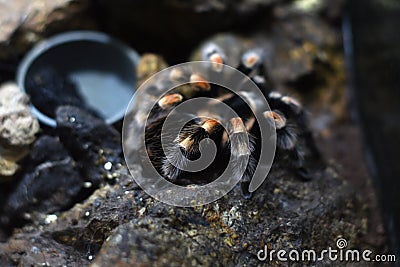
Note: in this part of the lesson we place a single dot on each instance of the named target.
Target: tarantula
(240, 140)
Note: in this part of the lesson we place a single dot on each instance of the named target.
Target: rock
(231, 231)
(284, 213)
(55, 172)
(95, 145)
(36, 12)
(52, 178)
(49, 89)
(24, 23)
(18, 128)
(37, 255)
(46, 149)
(306, 57)
(60, 173)
(7, 167)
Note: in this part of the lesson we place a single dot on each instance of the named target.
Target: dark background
(373, 51)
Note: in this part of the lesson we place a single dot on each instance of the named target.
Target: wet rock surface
(49, 90)
(18, 127)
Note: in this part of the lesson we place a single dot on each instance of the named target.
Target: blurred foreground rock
(25, 22)
(95, 145)
(18, 128)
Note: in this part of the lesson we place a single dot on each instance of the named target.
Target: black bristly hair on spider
(241, 145)
(241, 139)
(293, 109)
(191, 136)
(286, 137)
(187, 144)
